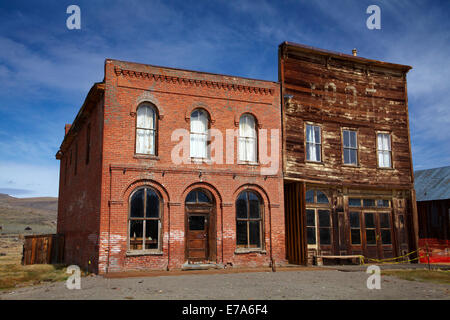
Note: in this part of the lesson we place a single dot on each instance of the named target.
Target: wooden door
(197, 237)
(378, 235)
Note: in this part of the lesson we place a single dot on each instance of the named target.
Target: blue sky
(46, 70)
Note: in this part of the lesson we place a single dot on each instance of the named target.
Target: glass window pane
(254, 205)
(241, 206)
(316, 134)
(310, 196)
(324, 218)
(354, 202)
(354, 220)
(321, 197)
(370, 237)
(353, 139)
(309, 134)
(369, 219)
(151, 234)
(346, 138)
(353, 156)
(386, 236)
(202, 197)
(152, 210)
(137, 204)
(383, 203)
(310, 152)
(369, 203)
(325, 236)
(384, 220)
(241, 233)
(310, 218)
(255, 239)
(387, 159)
(356, 236)
(196, 222)
(311, 235)
(136, 230)
(318, 151)
(191, 197)
(347, 156)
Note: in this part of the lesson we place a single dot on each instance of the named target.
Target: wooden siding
(43, 249)
(335, 94)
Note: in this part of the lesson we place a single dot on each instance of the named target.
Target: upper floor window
(313, 143)
(247, 138)
(199, 134)
(350, 147)
(384, 150)
(146, 130)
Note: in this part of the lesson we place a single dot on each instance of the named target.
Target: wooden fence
(43, 249)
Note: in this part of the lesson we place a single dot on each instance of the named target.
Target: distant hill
(39, 214)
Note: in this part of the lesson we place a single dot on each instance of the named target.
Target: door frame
(209, 210)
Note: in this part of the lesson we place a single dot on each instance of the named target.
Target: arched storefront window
(144, 222)
(249, 220)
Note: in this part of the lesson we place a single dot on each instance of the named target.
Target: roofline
(437, 168)
(344, 56)
(194, 71)
(98, 86)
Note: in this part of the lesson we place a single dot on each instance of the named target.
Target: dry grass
(435, 276)
(13, 274)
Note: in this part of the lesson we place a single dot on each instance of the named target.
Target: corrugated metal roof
(432, 184)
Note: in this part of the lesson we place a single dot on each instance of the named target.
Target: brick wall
(103, 202)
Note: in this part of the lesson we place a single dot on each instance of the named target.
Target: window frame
(320, 144)
(316, 207)
(390, 151)
(247, 248)
(350, 148)
(207, 134)
(255, 138)
(144, 251)
(155, 131)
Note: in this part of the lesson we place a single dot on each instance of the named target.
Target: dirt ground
(310, 283)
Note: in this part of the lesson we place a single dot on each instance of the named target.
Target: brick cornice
(192, 82)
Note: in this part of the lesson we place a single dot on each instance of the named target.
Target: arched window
(249, 222)
(247, 138)
(199, 134)
(144, 222)
(146, 130)
(198, 196)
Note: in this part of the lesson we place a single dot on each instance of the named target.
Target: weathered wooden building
(347, 163)
(433, 208)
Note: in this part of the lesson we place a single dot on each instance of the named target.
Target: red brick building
(133, 196)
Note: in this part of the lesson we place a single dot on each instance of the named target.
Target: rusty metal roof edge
(345, 56)
(432, 184)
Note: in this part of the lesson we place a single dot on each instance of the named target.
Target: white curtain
(145, 130)
(384, 150)
(199, 134)
(247, 138)
(313, 143)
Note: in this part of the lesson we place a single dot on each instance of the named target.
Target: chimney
(67, 128)
(355, 52)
